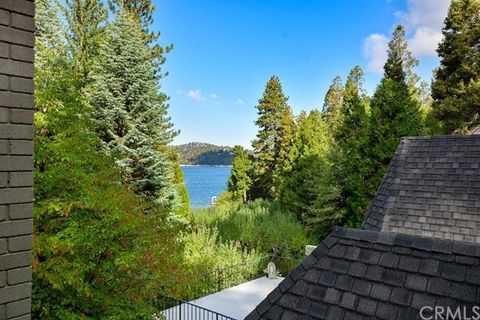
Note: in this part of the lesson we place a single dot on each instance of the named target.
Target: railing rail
(183, 310)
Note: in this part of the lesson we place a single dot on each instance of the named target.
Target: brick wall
(16, 162)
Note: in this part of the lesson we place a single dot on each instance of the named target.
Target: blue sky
(225, 52)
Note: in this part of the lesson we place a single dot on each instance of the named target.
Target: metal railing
(215, 281)
(230, 276)
(174, 309)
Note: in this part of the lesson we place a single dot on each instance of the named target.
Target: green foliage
(240, 180)
(260, 225)
(198, 153)
(395, 112)
(274, 138)
(131, 112)
(456, 86)
(205, 253)
(307, 173)
(97, 254)
(352, 142)
(333, 103)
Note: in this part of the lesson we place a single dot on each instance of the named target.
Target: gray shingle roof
(419, 247)
(359, 274)
(432, 188)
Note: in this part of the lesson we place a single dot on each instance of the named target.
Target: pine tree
(274, 138)
(132, 113)
(395, 111)
(333, 102)
(351, 144)
(143, 11)
(456, 85)
(306, 172)
(86, 21)
(240, 180)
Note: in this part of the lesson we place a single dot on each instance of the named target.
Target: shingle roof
(419, 245)
(432, 188)
(359, 274)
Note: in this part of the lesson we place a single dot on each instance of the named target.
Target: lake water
(204, 182)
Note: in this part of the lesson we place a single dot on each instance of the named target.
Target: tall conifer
(132, 112)
(274, 138)
(456, 86)
(395, 111)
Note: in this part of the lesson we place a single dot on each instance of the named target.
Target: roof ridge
(411, 241)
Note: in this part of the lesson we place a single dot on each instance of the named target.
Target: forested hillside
(199, 153)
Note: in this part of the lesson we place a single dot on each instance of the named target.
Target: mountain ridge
(203, 153)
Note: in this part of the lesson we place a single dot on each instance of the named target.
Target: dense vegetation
(326, 165)
(198, 153)
(112, 223)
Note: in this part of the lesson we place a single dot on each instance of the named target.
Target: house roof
(432, 188)
(359, 274)
(419, 245)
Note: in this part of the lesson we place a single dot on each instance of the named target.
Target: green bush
(260, 225)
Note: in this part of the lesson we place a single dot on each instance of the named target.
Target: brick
(3, 246)
(3, 279)
(22, 53)
(21, 179)
(13, 293)
(24, 317)
(16, 68)
(16, 163)
(16, 195)
(3, 179)
(3, 82)
(4, 17)
(16, 131)
(21, 116)
(4, 147)
(3, 212)
(15, 99)
(22, 243)
(21, 211)
(20, 6)
(23, 22)
(4, 115)
(16, 228)
(16, 36)
(18, 308)
(23, 85)
(4, 50)
(19, 275)
(15, 260)
(21, 147)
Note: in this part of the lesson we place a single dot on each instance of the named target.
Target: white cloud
(179, 92)
(423, 20)
(214, 96)
(240, 102)
(196, 95)
(375, 50)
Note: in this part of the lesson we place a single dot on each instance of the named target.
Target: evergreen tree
(394, 111)
(274, 139)
(143, 11)
(333, 102)
(132, 113)
(86, 21)
(307, 173)
(240, 180)
(456, 85)
(351, 143)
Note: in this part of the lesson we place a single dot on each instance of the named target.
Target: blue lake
(205, 182)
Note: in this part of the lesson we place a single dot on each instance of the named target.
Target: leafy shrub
(259, 225)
